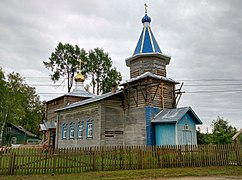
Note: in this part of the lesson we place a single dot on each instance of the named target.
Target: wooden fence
(75, 160)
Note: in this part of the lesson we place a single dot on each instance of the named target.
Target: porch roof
(174, 115)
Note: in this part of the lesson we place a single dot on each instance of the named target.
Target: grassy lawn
(140, 174)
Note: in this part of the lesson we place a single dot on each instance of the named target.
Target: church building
(143, 112)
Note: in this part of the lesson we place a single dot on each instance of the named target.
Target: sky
(203, 38)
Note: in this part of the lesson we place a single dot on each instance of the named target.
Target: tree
(3, 101)
(65, 61)
(222, 131)
(203, 138)
(19, 104)
(113, 78)
(99, 66)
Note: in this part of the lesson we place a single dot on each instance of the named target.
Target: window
(80, 128)
(9, 129)
(64, 131)
(72, 130)
(186, 127)
(14, 140)
(89, 128)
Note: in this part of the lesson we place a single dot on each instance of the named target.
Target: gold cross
(146, 6)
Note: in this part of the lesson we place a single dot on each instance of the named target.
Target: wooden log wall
(58, 103)
(150, 92)
(144, 64)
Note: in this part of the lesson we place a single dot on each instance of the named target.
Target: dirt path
(200, 178)
(204, 178)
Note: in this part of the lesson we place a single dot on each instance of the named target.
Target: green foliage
(222, 131)
(203, 138)
(19, 103)
(99, 66)
(65, 61)
(113, 78)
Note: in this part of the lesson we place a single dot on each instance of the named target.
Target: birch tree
(19, 104)
(65, 62)
(103, 75)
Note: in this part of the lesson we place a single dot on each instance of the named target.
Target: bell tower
(149, 90)
(149, 84)
(147, 56)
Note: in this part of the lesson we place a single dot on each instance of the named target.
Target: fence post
(94, 155)
(237, 152)
(12, 163)
(54, 162)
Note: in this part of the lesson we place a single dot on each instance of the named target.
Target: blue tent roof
(147, 45)
(147, 42)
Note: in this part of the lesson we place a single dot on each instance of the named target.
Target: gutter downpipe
(57, 131)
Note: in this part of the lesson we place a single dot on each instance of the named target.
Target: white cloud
(202, 37)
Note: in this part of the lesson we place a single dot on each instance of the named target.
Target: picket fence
(74, 160)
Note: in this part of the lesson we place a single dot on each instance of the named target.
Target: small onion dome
(79, 78)
(146, 18)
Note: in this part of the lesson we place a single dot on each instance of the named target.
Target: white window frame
(90, 130)
(80, 130)
(9, 129)
(64, 131)
(72, 131)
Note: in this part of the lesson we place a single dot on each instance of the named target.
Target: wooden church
(144, 112)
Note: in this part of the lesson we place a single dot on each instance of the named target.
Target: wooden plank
(16, 167)
(2, 165)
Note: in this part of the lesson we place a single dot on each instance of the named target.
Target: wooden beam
(144, 96)
(155, 92)
(162, 97)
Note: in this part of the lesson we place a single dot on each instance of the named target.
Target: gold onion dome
(79, 78)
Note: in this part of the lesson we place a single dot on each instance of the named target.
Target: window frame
(64, 131)
(72, 130)
(80, 126)
(9, 129)
(89, 131)
(14, 140)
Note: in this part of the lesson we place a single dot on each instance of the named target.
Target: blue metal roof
(174, 115)
(147, 42)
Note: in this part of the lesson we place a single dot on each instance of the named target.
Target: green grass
(140, 174)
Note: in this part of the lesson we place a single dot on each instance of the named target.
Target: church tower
(149, 90)
(149, 84)
(147, 56)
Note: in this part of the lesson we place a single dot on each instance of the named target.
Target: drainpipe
(57, 131)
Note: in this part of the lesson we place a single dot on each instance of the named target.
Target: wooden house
(133, 115)
(17, 135)
(237, 138)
